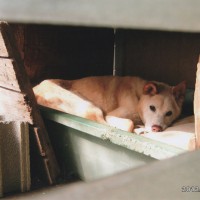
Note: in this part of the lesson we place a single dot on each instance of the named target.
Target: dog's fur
(117, 101)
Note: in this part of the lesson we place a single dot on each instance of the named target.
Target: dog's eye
(169, 113)
(152, 108)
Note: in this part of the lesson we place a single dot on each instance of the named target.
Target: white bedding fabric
(181, 134)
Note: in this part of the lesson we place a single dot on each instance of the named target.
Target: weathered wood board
(157, 55)
(178, 15)
(8, 75)
(64, 52)
(13, 81)
(174, 178)
(13, 106)
(3, 49)
(197, 106)
(17, 101)
(1, 175)
(15, 158)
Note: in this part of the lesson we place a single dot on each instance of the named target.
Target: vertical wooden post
(1, 179)
(119, 51)
(197, 106)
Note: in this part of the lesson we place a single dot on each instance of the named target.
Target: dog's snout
(156, 128)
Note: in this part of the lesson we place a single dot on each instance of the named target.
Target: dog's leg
(95, 114)
(120, 118)
(120, 123)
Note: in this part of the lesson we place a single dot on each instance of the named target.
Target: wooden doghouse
(162, 53)
(74, 52)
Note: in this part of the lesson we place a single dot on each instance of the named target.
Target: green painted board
(92, 150)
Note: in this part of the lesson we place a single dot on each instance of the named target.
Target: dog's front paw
(120, 123)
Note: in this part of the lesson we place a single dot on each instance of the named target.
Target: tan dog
(113, 100)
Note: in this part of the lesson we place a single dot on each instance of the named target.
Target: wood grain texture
(156, 55)
(67, 52)
(1, 171)
(167, 179)
(197, 106)
(15, 164)
(3, 49)
(8, 75)
(13, 106)
(143, 14)
(19, 104)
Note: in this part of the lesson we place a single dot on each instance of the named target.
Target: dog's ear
(179, 92)
(150, 88)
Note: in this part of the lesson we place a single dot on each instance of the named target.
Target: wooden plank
(1, 168)
(16, 65)
(119, 53)
(13, 106)
(144, 14)
(57, 59)
(146, 146)
(19, 33)
(45, 150)
(15, 164)
(8, 75)
(174, 178)
(25, 157)
(197, 105)
(157, 55)
(3, 49)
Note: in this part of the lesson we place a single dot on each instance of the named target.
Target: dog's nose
(156, 128)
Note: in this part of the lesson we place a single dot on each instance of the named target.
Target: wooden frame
(18, 101)
(168, 176)
(197, 106)
(142, 14)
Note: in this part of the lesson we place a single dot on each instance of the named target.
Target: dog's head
(160, 105)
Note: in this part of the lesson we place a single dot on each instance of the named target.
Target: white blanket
(181, 134)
